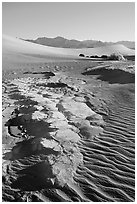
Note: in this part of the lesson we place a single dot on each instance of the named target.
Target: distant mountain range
(65, 43)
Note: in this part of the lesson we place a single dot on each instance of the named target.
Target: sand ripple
(107, 173)
(109, 159)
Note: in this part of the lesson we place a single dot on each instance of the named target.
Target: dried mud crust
(43, 122)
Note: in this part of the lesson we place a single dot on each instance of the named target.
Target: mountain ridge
(62, 42)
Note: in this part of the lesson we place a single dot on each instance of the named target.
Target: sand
(68, 130)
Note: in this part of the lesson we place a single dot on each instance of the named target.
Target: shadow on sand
(47, 75)
(112, 75)
(34, 178)
(28, 148)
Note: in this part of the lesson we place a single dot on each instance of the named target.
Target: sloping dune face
(105, 50)
(11, 44)
(16, 53)
(14, 45)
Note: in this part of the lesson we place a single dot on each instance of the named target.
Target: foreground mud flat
(55, 139)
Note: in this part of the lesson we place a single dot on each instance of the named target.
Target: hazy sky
(82, 21)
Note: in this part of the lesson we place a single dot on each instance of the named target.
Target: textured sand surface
(68, 125)
(68, 132)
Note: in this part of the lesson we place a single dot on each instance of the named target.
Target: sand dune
(16, 46)
(20, 46)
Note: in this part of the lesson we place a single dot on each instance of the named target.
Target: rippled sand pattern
(53, 151)
(108, 171)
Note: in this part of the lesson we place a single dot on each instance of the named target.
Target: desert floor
(68, 131)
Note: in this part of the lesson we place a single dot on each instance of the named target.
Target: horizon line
(67, 38)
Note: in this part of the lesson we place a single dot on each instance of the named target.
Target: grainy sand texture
(68, 125)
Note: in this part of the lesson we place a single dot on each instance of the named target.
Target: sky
(105, 21)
